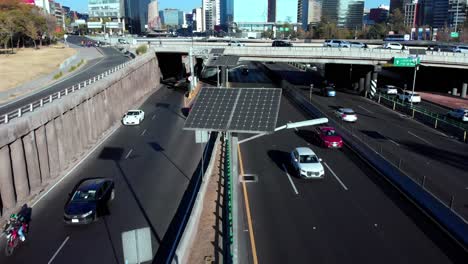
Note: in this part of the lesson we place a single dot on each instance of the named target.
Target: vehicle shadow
(308, 136)
(282, 161)
(168, 108)
(373, 134)
(158, 148)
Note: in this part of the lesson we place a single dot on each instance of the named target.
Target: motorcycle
(13, 238)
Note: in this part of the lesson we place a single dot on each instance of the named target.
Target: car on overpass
(88, 200)
(328, 91)
(133, 117)
(389, 89)
(409, 96)
(281, 43)
(328, 138)
(355, 44)
(334, 43)
(346, 114)
(460, 49)
(306, 163)
(459, 114)
(393, 46)
(236, 43)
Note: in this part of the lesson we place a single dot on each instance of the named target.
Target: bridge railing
(52, 97)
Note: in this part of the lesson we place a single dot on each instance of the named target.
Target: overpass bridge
(374, 56)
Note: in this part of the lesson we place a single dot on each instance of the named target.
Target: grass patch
(74, 67)
(58, 75)
(142, 49)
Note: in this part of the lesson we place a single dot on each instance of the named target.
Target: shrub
(141, 49)
(58, 75)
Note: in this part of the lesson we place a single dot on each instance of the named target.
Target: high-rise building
(172, 17)
(43, 4)
(136, 14)
(345, 13)
(286, 11)
(212, 14)
(154, 22)
(379, 14)
(271, 11)
(309, 12)
(411, 14)
(226, 12)
(108, 8)
(457, 13)
(434, 13)
(250, 11)
(198, 19)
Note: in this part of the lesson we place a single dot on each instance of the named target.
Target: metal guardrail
(229, 238)
(5, 118)
(437, 121)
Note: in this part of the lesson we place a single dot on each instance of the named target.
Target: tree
(397, 22)
(31, 32)
(377, 31)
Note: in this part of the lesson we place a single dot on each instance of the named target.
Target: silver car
(307, 164)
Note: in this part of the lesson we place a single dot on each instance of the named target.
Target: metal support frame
(235, 195)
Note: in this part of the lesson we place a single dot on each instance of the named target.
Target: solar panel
(217, 51)
(245, 110)
(227, 60)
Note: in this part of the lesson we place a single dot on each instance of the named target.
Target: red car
(328, 137)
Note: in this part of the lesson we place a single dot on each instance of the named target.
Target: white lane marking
(392, 141)
(365, 109)
(152, 118)
(290, 180)
(58, 250)
(128, 154)
(409, 132)
(336, 177)
(78, 164)
(143, 133)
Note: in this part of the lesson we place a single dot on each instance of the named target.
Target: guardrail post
(424, 181)
(58, 95)
(41, 103)
(79, 86)
(73, 88)
(31, 107)
(94, 79)
(435, 124)
(464, 136)
(452, 198)
(379, 99)
(50, 98)
(6, 118)
(20, 112)
(394, 104)
(412, 115)
(66, 91)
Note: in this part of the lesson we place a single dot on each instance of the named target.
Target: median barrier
(38, 148)
(429, 197)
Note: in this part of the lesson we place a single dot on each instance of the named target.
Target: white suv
(393, 46)
(307, 164)
(336, 43)
(409, 96)
(389, 89)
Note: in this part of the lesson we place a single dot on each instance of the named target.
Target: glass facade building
(172, 17)
(345, 13)
(105, 8)
(136, 14)
(250, 11)
(227, 12)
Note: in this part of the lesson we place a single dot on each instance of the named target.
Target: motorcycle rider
(20, 221)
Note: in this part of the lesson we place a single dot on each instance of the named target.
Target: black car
(245, 71)
(281, 43)
(88, 200)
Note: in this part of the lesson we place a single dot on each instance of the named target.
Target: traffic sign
(406, 62)
(454, 34)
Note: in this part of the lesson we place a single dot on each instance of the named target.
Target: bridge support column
(7, 189)
(373, 86)
(464, 88)
(361, 86)
(368, 81)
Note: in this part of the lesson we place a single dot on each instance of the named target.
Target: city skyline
(186, 5)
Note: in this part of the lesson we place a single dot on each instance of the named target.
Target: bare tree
(31, 31)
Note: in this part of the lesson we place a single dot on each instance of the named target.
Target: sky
(185, 5)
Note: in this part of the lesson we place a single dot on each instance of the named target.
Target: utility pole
(456, 17)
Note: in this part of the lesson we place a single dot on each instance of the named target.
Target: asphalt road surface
(352, 216)
(151, 165)
(111, 58)
(420, 150)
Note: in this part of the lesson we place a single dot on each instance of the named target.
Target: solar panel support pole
(235, 195)
(217, 76)
(191, 69)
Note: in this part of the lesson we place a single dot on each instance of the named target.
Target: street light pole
(416, 68)
(456, 17)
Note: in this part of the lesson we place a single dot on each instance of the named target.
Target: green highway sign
(406, 62)
(454, 34)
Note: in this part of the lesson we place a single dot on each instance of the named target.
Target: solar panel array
(217, 51)
(247, 110)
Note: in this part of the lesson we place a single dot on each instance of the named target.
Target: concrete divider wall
(36, 149)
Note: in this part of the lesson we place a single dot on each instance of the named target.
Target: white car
(460, 114)
(409, 96)
(236, 43)
(393, 46)
(461, 49)
(346, 114)
(307, 164)
(389, 89)
(133, 117)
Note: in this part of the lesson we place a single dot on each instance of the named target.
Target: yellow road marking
(247, 209)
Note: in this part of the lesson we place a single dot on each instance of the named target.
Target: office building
(345, 13)
(136, 15)
(379, 14)
(212, 14)
(271, 11)
(411, 14)
(251, 11)
(457, 12)
(226, 12)
(434, 13)
(198, 19)
(108, 8)
(172, 17)
(309, 12)
(154, 22)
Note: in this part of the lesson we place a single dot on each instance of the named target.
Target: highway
(111, 58)
(151, 171)
(420, 151)
(352, 216)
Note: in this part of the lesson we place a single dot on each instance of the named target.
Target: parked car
(328, 91)
(133, 117)
(122, 41)
(245, 70)
(88, 200)
(336, 43)
(346, 114)
(389, 89)
(393, 46)
(281, 43)
(328, 137)
(460, 49)
(236, 43)
(459, 114)
(306, 163)
(355, 44)
(441, 48)
(409, 96)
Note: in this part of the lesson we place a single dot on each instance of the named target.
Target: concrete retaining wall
(36, 149)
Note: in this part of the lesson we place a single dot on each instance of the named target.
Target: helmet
(13, 217)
